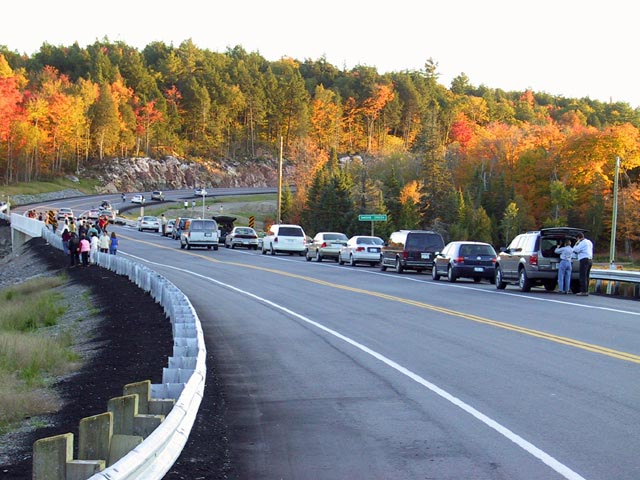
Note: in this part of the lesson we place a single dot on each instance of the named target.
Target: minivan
(411, 250)
(530, 259)
(284, 238)
(199, 232)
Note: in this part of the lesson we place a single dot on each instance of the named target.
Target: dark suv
(530, 260)
(411, 250)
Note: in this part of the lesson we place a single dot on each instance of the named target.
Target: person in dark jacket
(74, 250)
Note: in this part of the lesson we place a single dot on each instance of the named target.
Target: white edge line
(547, 459)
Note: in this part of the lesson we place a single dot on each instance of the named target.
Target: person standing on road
(74, 249)
(66, 235)
(564, 268)
(584, 250)
(85, 247)
(104, 242)
(113, 246)
(163, 221)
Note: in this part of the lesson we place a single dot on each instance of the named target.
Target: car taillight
(533, 259)
(275, 240)
(459, 260)
(324, 245)
(494, 260)
(405, 254)
(360, 249)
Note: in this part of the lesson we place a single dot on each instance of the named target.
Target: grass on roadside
(30, 354)
(33, 188)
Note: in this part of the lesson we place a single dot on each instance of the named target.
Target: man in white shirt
(584, 250)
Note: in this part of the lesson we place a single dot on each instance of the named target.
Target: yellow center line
(630, 357)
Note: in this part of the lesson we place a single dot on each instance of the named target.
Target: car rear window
(290, 232)
(466, 250)
(335, 236)
(424, 241)
(244, 231)
(203, 225)
(370, 241)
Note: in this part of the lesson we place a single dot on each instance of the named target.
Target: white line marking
(547, 459)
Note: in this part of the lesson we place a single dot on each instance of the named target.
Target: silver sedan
(361, 249)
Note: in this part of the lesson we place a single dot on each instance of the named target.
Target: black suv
(411, 250)
(530, 260)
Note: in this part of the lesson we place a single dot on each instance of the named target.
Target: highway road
(335, 372)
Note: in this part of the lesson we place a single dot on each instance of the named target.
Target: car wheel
(434, 273)
(523, 281)
(450, 275)
(399, 268)
(352, 262)
(500, 284)
(340, 261)
(318, 256)
(307, 257)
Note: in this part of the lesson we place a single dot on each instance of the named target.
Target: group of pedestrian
(583, 250)
(83, 240)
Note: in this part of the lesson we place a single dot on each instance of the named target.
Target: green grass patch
(33, 188)
(31, 305)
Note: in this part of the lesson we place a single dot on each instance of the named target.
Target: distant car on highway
(200, 192)
(64, 212)
(137, 199)
(148, 222)
(168, 231)
(157, 195)
(361, 249)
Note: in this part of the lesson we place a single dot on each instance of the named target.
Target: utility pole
(279, 219)
(614, 217)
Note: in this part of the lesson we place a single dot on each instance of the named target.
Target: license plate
(207, 234)
(478, 269)
(425, 256)
(374, 249)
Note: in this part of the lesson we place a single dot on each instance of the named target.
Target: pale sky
(573, 48)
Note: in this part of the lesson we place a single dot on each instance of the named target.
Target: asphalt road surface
(335, 372)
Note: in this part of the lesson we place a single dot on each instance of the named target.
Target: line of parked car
(529, 260)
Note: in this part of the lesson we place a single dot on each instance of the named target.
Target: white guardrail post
(183, 379)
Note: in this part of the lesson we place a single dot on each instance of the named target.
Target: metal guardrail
(615, 275)
(183, 380)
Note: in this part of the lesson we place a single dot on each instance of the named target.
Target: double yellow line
(629, 357)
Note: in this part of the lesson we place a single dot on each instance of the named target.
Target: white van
(284, 238)
(199, 233)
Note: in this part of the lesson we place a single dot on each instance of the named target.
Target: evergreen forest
(472, 162)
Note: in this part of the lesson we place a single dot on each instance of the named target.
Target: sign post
(374, 217)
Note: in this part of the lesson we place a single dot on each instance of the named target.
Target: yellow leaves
(5, 69)
(411, 192)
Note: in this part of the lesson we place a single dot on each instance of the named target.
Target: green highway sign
(373, 218)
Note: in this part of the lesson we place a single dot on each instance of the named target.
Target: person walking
(584, 250)
(85, 248)
(113, 246)
(564, 267)
(93, 248)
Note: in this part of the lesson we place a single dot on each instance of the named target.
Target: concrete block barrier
(144, 431)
